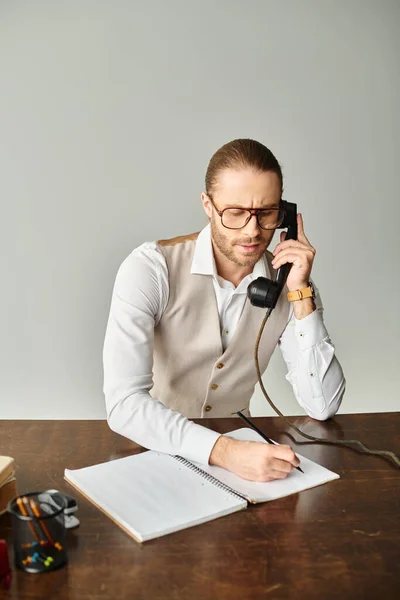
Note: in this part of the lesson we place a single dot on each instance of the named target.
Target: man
(181, 332)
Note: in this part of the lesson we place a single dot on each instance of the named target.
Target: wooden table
(339, 540)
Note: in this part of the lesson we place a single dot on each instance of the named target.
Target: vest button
(214, 386)
(208, 408)
(220, 365)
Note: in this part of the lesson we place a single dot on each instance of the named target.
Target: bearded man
(181, 331)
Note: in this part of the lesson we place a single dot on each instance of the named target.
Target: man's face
(245, 189)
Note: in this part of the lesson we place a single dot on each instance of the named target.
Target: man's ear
(206, 204)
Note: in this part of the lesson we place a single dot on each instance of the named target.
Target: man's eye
(237, 212)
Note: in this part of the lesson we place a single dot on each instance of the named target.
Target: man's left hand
(298, 252)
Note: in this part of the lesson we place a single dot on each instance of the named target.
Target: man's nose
(252, 229)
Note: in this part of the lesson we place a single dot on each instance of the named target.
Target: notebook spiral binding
(208, 477)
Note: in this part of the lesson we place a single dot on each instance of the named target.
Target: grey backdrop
(109, 114)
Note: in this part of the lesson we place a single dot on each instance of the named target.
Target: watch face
(312, 289)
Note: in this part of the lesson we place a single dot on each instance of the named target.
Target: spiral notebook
(153, 494)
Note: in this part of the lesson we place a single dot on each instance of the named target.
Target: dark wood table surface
(339, 540)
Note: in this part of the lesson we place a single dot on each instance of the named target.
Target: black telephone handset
(264, 292)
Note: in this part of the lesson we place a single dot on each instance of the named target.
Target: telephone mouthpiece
(263, 292)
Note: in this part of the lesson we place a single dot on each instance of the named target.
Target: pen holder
(38, 537)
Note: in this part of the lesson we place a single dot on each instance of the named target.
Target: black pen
(265, 437)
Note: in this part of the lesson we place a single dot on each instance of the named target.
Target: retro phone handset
(265, 293)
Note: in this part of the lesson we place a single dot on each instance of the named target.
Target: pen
(24, 511)
(265, 437)
(36, 512)
(35, 523)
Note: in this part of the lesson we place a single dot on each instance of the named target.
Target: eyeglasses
(237, 218)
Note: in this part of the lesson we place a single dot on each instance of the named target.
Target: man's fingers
(288, 257)
(257, 461)
(285, 453)
(278, 474)
(300, 229)
(282, 466)
(283, 244)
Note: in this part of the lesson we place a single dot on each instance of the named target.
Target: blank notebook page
(152, 494)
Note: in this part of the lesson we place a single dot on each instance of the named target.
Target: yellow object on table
(8, 484)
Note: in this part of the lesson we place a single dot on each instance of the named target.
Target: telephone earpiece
(264, 292)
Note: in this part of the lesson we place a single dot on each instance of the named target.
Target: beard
(226, 245)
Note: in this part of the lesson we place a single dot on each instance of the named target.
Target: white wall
(109, 113)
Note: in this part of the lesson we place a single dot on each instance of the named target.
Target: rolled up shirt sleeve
(313, 369)
(139, 297)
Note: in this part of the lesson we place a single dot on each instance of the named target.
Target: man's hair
(241, 154)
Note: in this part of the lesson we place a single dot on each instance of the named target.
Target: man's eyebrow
(276, 206)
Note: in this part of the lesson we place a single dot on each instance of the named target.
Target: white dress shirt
(139, 299)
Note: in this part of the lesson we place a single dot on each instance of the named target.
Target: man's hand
(298, 252)
(255, 461)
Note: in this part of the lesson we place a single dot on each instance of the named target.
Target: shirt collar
(203, 262)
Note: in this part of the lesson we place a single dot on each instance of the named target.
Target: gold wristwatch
(307, 292)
